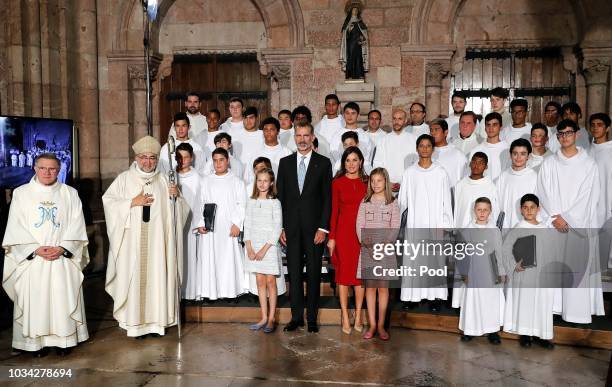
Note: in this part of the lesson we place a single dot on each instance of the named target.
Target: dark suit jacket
(311, 209)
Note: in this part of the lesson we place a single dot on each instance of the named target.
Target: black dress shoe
(525, 341)
(545, 343)
(63, 351)
(494, 338)
(466, 338)
(141, 337)
(41, 352)
(154, 335)
(293, 325)
(313, 328)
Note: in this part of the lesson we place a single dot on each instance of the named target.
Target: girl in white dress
(262, 229)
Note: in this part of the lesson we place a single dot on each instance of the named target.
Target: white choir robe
(510, 133)
(482, 303)
(328, 126)
(395, 153)
(529, 310)
(602, 153)
(231, 127)
(425, 194)
(511, 186)
(467, 191)
(246, 145)
(365, 143)
(206, 141)
(480, 129)
(220, 267)
(287, 138)
(570, 187)
(418, 130)
(189, 184)
(553, 143)
(48, 309)
(499, 157)
(453, 161)
(198, 162)
(453, 126)
(535, 161)
(466, 145)
(197, 122)
(324, 147)
(250, 277)
(274, 153)
(235, 166)
(375, 137)
(145, 260)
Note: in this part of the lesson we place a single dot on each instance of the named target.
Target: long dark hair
(342, 171)
(184, 146)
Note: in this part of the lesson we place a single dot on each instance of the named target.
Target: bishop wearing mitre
(144, 269)
(46, 250)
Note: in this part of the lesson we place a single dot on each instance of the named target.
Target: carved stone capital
(434, 72)
(596, 70)
(282, 74)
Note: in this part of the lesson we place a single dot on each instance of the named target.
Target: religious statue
(354, 47)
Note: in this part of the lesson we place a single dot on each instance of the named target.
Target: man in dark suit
(304, 190)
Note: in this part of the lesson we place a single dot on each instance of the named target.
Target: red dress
(347, 195)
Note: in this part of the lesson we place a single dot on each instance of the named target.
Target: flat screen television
(24, 138)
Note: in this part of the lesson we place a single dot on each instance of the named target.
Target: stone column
(137, 102)
(596, 73)
(434, 72)
(32, 65)
(282, 74)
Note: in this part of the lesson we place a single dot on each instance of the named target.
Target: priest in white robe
(189, 182)
(425, 194)
(396, 151)
(145, 256)
(495, 149)
(418, 126)
(45, 248)
(198, 121)
(515, 182)
(467, 139)
(452, 159)
(458, 103)
(221, 257)
(182, 125)
(569, 189)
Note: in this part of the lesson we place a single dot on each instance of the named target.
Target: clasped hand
(49, 253)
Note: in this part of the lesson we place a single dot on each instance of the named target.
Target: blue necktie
(301, 173)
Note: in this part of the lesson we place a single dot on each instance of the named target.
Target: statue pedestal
(360, 92)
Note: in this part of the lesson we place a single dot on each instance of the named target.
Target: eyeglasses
(147, 158)
(416, 111)
(567, 133)
(45, 169)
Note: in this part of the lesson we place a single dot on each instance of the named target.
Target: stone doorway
(216, 78)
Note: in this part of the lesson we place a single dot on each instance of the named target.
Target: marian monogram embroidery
(48, 212)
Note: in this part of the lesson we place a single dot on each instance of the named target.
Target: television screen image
(24, 138)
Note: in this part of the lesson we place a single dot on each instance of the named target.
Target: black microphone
(146, 214)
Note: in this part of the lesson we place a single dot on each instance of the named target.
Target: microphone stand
(172, 177)
(147, 58)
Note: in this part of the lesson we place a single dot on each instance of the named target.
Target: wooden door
(216, 78)
(535, 74)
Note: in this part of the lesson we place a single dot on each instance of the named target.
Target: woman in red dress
(348, 189)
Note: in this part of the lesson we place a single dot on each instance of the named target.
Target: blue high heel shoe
(256, 327)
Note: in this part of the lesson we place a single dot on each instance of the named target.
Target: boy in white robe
(181, 125)
(452, 159)
(248, 141)
(350, 114)
(331, 121)
(418, 126)
(234, 124)
(515, 182)
(529, 300)
(569, 188)
(573, 111)
(144, 226)
(224, 140)
(482, 301)
(458, 103)
(495, 149)
(285, 137)
(220, 267)
(425, 194)
(189, 183)
(552, 116)
(271, 149)
(519, 128)
(498, 99)
(206, 139)
(46, 250)
(396, 151)
(349, 139)
(539, 151)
